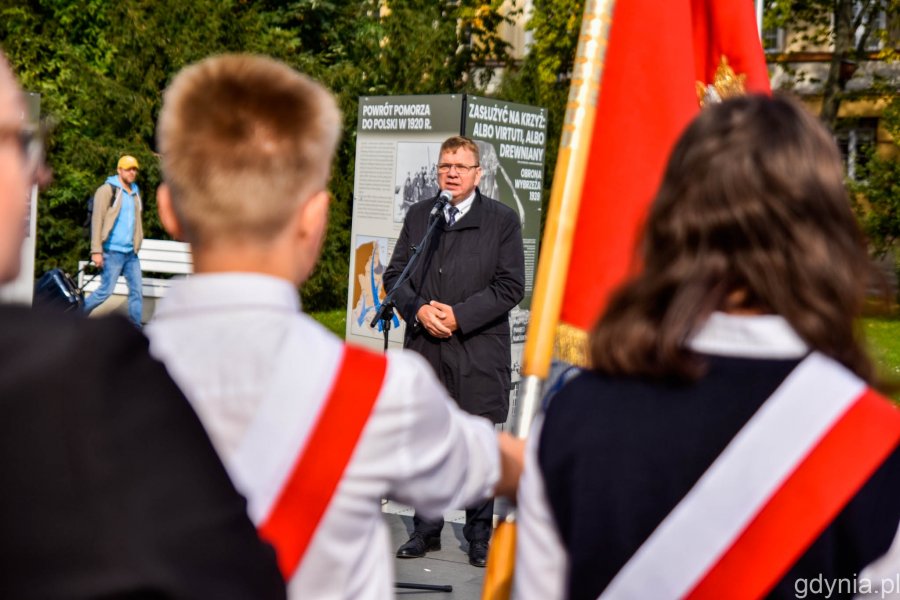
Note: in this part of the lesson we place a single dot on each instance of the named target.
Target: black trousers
(479, 523)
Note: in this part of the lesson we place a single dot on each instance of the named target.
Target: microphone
(442, 201)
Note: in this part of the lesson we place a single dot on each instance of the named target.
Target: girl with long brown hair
(722, 373)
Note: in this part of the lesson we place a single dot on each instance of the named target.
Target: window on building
(772, 37)
(874, 24)
(856, 139)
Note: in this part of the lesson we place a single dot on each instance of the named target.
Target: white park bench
(160, 257)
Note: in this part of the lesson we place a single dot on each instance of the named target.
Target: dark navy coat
(112, 488)
(477, 266)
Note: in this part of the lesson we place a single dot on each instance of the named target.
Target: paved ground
(448, 566)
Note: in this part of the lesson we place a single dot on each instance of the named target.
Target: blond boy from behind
(247, 145)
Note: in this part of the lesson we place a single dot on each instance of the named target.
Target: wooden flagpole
(565, 200)
(556, 249)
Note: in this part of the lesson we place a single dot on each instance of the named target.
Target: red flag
(657, 53)
(648, 65)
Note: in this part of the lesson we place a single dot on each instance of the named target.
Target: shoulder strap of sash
(308, 490)
(771, 492)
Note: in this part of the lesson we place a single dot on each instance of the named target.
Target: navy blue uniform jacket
(618, 454)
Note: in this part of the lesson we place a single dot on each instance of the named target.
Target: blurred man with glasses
(116, 236)
(456, 306)
(21, 163)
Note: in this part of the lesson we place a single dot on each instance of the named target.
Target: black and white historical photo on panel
(490, 164)
(416, 175)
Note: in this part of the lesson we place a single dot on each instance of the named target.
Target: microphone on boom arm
(385, 311)
(442, 201)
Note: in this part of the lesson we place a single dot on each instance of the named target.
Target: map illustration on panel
(368, 292)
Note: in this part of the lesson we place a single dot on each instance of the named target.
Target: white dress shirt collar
(463, 207)
(752, 336)
(211, 291)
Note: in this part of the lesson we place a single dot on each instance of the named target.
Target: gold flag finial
(726, 84)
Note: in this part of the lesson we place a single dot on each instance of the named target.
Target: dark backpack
(86, 226)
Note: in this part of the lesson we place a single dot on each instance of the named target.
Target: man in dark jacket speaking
(456, 306)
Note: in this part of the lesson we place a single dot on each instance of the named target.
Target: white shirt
(462, 208)
(221, 337)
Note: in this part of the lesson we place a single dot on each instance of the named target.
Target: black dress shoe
(418, 545)
(478, 552)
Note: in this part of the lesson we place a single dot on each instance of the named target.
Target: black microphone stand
(385, 315)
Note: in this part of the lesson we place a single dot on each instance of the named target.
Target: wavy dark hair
(751, 214)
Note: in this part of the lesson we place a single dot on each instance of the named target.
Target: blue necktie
(452, 212)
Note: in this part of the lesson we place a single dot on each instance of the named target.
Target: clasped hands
(438, 319)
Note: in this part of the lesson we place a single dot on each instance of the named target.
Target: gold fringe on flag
(571, 345)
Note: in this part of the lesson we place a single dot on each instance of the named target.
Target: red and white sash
(783, 478)
(295, 452)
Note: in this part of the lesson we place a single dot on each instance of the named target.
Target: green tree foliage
(878, 190)
(544, 77)
(880, 203)
(101, 67)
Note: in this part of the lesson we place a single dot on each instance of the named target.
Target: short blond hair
(244, 139)
(453, 144)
